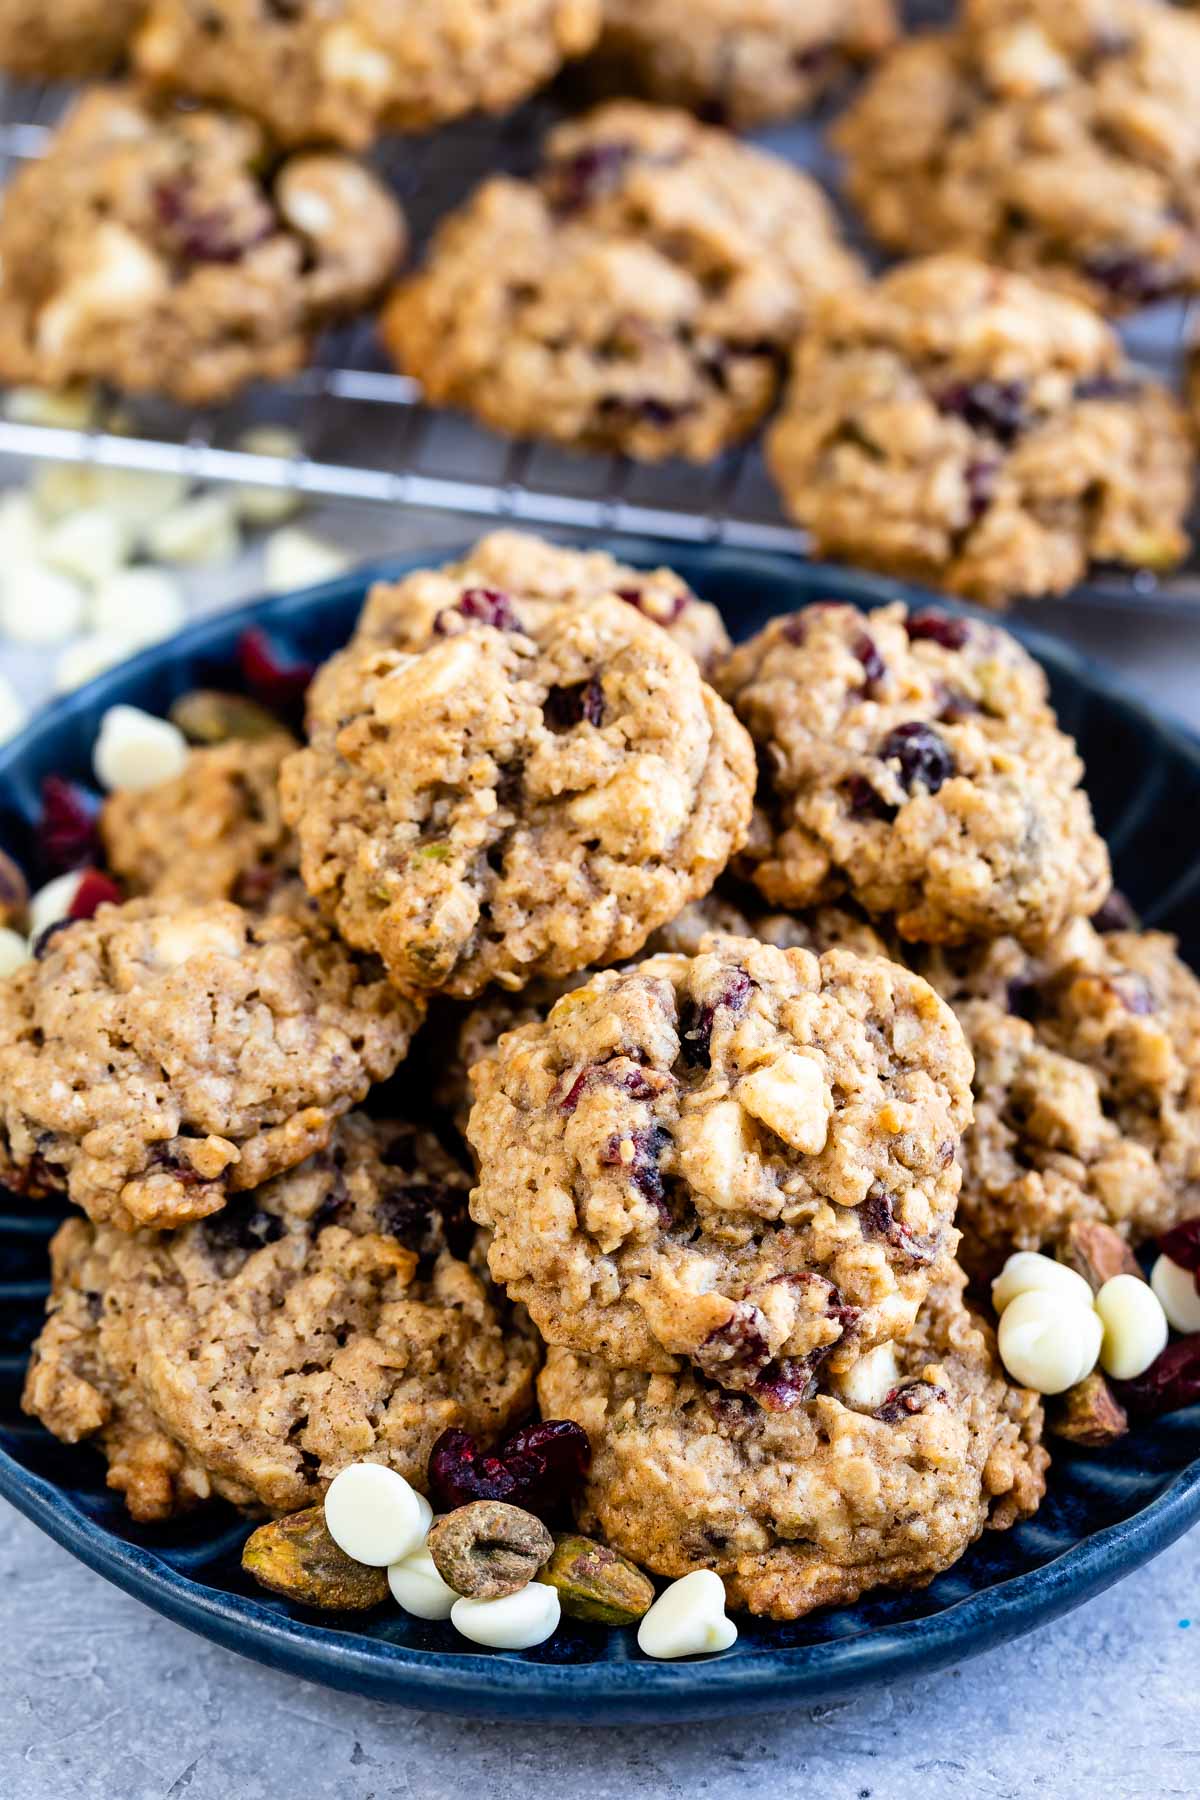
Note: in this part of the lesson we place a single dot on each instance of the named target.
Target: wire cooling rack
(366, 435)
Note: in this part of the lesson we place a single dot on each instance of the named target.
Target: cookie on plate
(65, 40)
(1087, 1088)
(742, 62)
(507, 563)
(913, 762)
(213, 832)
(1054, 136)
(165, 248)
(343, 71)
(162, 1056)
(636, 295)
(533, 791)
(340, 1313)
(744, 1159)
(967, 427)
(882, 1480)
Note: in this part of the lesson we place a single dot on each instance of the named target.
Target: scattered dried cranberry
(661, 614)
(278, 684)
(483, 606)
(994, 407)
(867, 652)
(696, 1024)
(411, 1215)
(877, 1219)
(539, 1467)
(865, 802)
(909, 1398)
(1115, 913)
(1171, 1381)
(979, 479)
(94, 891)
(575, 181)
(923, 756)
(785, 1383)
(931, 626)
(66, 832)
(566, 707)
(240, 1225)
(1182, 1245)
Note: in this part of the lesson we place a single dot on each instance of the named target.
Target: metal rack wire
(366, 434)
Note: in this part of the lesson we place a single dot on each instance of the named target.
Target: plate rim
(616, 1689)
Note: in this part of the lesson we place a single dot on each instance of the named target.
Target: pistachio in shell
(208, 716)
(14, 893)
(296, 1557)
(596, 1583)
(488, 1549)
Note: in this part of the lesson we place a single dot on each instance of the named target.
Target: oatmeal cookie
(815, 1506)
(340, 1313)
(161, 1056)
(914, 762)
(403, 614)
(534, 791)
(745, 1158)
(1087, 1088)
(1059, 137)
(162, 248)
(962, 426)
(635, 296)
(65, 40)
(742, 62)
(214, 832)
(343, 71)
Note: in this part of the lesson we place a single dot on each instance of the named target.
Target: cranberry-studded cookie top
(212, 832)
(163, 247)
(957, 424)
(162, 1056)
(506, 564)
(534, 791)
(913, 761)
(742, 62)
(636, 295)
(340, 1313)
(745, 1159)
(880, 1480)
(1087, 1087)
(343, 71)
(65, 40)
(1055, 136)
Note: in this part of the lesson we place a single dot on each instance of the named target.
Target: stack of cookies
(593, 1017)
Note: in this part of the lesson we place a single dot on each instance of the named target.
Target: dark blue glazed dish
(1103, 1515)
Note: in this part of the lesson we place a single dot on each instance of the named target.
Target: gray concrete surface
(102, 1700)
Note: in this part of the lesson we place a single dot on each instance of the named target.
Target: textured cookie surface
(1055, 136)
(213, 832)
(64, 40)
(159, 247)
(915, 763)
(815, 1506)
(535, 790)
(637, 295)
(161, 1056)
(971, 428)
(337, 1314)
(345, 70)
(1087, 1087)
(745, 1159)
(742, 62)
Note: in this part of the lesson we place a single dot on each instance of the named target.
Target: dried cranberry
(241, 1225)
(278, 684)
(1115, 913)
(1133, 993)
(877, 1219)
(255, 885)
(1171, 1381)
(334, 1205)
(413, 1213)
(644, 1168)
(539, 1467)
(66, 832)
(1024, 999)
(953, 707)
(931, 626)
(865, 802)
(661, 614)
(565, 707)
(795, 629)
(867, 653)
(696, 1024)
(737, 1347)
(46, 937)
(576, 181)
(994, 407)
(1107, 387)
(923, 755)
(979, 479)
(815, 59)
(1129, 277)
(483, 606)
(574, 1094)
(1182, 1245)
(909, 1398)
(789, 1381)
(202, 233)
(94, 891)
(645, 409)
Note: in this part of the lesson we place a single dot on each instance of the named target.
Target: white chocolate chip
(374, 1515)
(38, 605)
(688, 1619)
(199, 531)
(1048, 1341)
(791, 1097)
(418, 1587)
(14, 951)
(1177, 1294)
(178, 939)
(67, 409)
(514, 1622)
(419, 682)
(20, 528)
(346, 59)
(869, 1381)
(296, 559)
(136, 751)
(89, 656)
(89, 545)
(13, 710)
(1027, 1271)
(139, 496)
(53, 902)
(143, 605)
(1135, 1326)
(259, 505)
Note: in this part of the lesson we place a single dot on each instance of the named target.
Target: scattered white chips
(1135, 1326)
(514, 1622)
(1177, 1294)
(374, 1515)
(688, 1619)
(135, 751)
(418, 1588)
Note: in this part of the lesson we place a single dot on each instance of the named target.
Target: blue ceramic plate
(1102, 1516)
